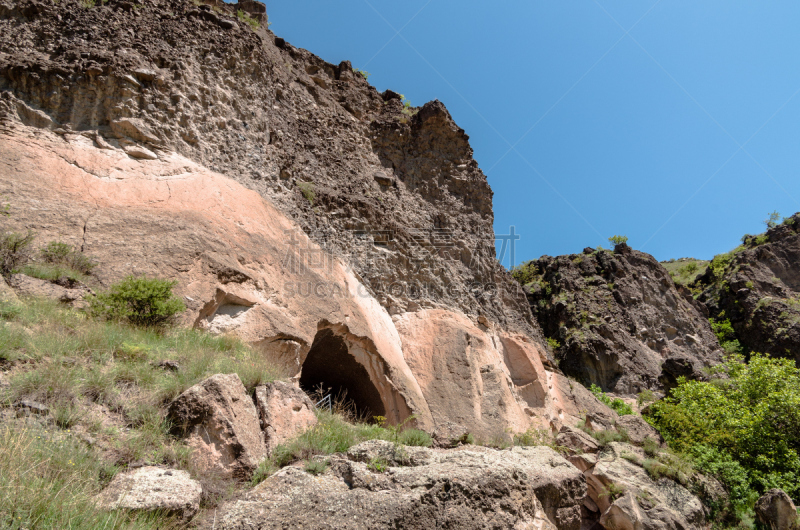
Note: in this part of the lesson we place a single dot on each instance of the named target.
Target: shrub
(415, 437)
(142, 301)
(726, 335)
(748, 421)
(646, 396)
(58, 253)
(362, 73)
(525, 273)
(307, 189)
(316, 467)
(616, 404)
(14, 251)
(618, 240)
(534, 437)
(553, 343)
(244, 17)
(772, 220)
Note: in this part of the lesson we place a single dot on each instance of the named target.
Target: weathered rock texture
(620, 320)
(530, 488)
(221, 426)
(776, 511)
(150, 489)
(398, 196)
(757, 287)
(285, 412)
(622, 495)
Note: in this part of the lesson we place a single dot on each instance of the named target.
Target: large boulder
(29, 286)
(622, 495)
(776, 511)
(285, 412)
(151, 489)
(523, 488)
(220, 424)
(637, 429)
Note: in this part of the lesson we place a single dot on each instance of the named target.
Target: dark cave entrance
(330, 365)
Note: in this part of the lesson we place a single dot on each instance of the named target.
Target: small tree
(14, 251)
(142, 301)
(772, 220)
(618, 240)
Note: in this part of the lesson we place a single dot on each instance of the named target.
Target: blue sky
(674, 122)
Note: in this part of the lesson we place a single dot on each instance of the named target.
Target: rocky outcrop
(395, 193)
(757, 287)
(619, 321)
(221, 426)
(621, 494)
(284, 411)
(523, 488)
(74, 296)
(153, 489)
(776, 511)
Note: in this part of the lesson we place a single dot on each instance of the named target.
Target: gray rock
(220, 424)
(27, 407)
(460, 488)
(776, 511)
(169, 491)
(577, 440)
(29, 286)
(638, 430)
(285, 411)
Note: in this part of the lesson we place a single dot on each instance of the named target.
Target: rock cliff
(757, 287)
(617, 320)
(348, 237)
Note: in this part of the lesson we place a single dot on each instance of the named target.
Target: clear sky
(674, 122)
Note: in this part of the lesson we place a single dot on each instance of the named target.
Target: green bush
(142, 301)
(244, 17)
(14, 251)
(307, 189)
(553, 343)
(743, 426)
(525, 273)
(618, 240)
(622, 408)
(726, 335)
(772, 220)
(58, 253)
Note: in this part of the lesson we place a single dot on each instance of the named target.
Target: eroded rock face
(758, 289)
(284, 411)
(221, 426)
(531, 488)
(776, 511)
(399, 196)
(621, 322)
(151, 489)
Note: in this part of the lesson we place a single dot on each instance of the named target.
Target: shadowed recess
(330, 365)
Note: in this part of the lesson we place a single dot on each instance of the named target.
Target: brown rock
(220, 424)
(7, 294)
(576, 440)
(151, 489)
(776, 511)
(28, 286)
(285, 412)
(525, 488)
(638, 430)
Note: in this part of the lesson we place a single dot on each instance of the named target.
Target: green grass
(72, 363)
(685, 271)
(52, 272)
(334, 434)
(48, 480)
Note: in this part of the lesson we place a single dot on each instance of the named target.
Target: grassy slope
(686, 270)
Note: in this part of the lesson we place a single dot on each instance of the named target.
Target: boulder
(776, 511)
(577, 440)
(169, 491)
(625, 496)
(7, 294)
(460, 488)
(638, 430)
(29, 286)
(220, 423)
(285, 412)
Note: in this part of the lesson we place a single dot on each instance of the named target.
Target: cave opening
(331, 367)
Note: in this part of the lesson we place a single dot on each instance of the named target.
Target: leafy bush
(141, 301)
(725, 335)
(616, 404)
(743, 426)
(772, 220)
(618, 240)
(362, 73)
(316, 467)
(14, 251)
(57, 253)
(525, 273)
(553, 343)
